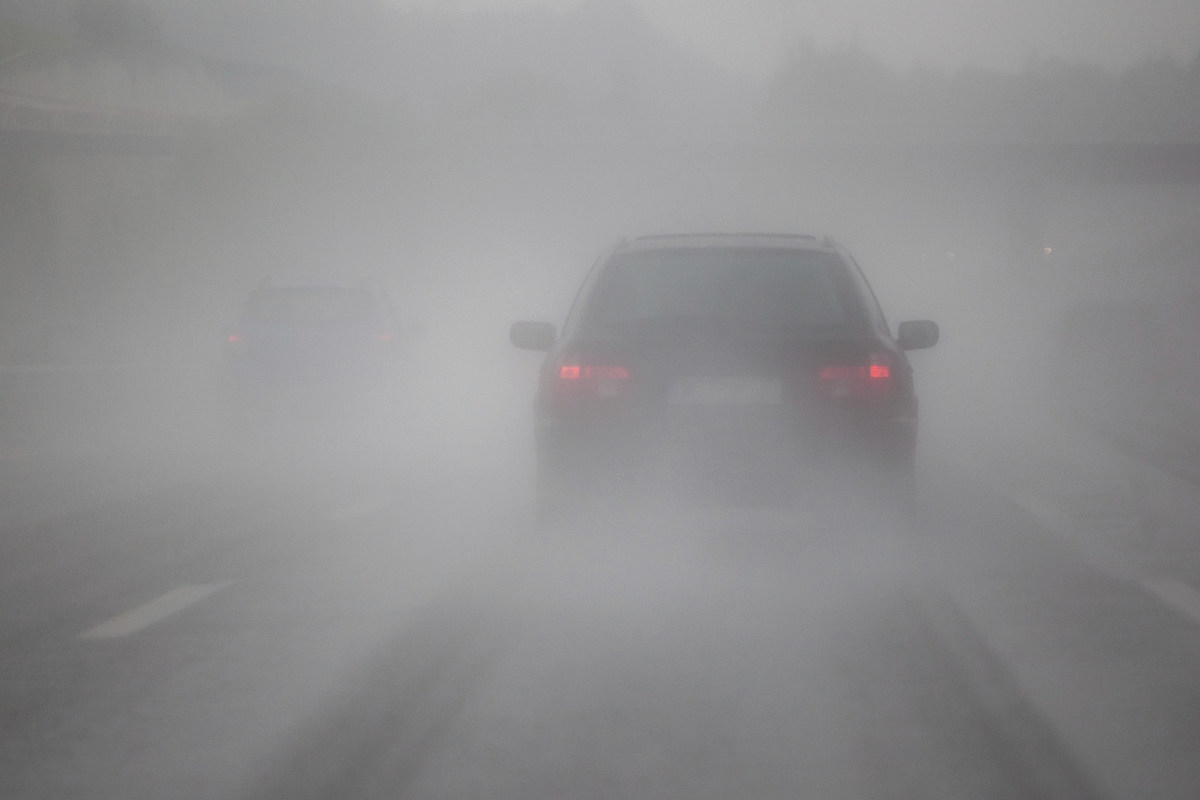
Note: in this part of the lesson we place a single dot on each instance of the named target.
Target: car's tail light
(578, 372)
(234, 346)
(384, 338)
(872, 379)
(591, 379)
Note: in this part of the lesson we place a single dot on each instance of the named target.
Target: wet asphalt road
(179, 627)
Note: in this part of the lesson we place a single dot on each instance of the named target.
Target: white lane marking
(1172, 593)
(1047, 513)
(154, 611)
(1175, 594)
(49, 369)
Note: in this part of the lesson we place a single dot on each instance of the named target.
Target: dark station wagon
(742, 368)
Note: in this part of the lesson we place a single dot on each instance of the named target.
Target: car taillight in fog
(873, 379)
(234, 346)
(576, 372)
(603, 380)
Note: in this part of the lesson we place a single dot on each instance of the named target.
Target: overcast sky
(753, 35)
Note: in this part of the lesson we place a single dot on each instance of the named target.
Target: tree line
(833, 92)
(1049, 99)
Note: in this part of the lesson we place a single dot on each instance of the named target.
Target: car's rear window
(783, 289)
(310, 306)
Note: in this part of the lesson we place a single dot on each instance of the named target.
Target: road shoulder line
(154, 611)
(1175, 594)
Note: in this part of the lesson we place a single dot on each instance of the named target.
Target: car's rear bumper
(749, 455)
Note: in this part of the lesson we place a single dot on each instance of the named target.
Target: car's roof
(688, 241)
(311, 287)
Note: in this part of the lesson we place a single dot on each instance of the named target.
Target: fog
(161, 161)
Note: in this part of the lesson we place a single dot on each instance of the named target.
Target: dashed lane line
(1172, 593)
(154, 611)
(1177, 595)
(51, 369)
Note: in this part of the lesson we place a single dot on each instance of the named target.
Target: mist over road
(363, 609)
(345, 595)
(204, 620)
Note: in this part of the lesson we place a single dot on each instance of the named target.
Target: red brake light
(832, 374)
(873, 379)
(591, 380)
(574, 372)
(233, 338)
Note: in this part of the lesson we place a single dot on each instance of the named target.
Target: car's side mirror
(533, 335)
(917, 334)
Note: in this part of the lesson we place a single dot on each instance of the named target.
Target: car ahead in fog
(307, 346)
(741, 368)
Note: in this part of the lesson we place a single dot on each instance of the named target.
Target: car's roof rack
(727, 235)
(751, 239)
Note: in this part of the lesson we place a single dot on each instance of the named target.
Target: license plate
(736, 390)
